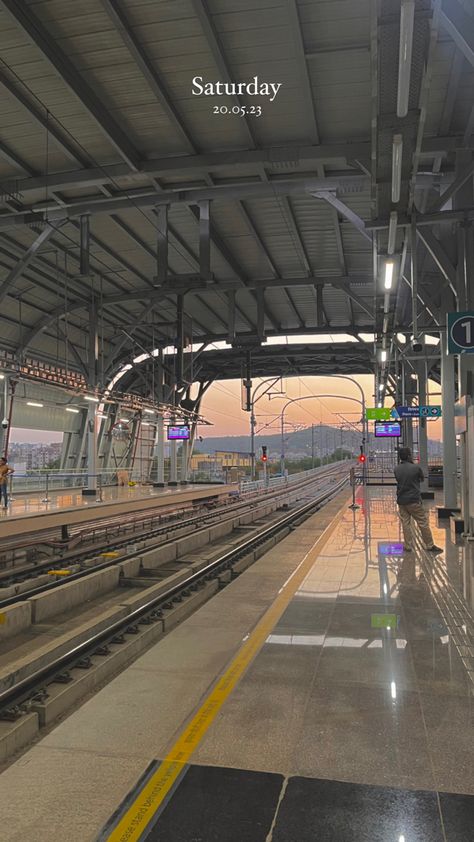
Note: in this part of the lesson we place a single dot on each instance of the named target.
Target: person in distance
(5, 470)
(409, 478)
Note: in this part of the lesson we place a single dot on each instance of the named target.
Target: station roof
(99, 120)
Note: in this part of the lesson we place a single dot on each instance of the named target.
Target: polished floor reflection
(367, 677)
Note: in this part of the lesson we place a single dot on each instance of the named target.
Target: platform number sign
(461, 332)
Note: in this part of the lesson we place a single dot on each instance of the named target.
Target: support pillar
(422, 429)
(449, 436)
(184, 463)
(92, 426)
(91, 451)
(159, 455)
(173, 480)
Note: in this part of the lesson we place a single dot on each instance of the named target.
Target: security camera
(5, 423)
(417, 346)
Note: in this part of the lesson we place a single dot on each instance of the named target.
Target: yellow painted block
(110, 555)
(59, 572)
(3, 619)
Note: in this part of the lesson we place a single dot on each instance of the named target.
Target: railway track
(61, 677)
(126, 545)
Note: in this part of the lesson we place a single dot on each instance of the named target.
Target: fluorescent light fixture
(71, 409)
(34, 403)
(401, 838)
(397, 156)
(91, 398)
(381, 387)
(124, 420)
(2, 377)
(389, 267)
(392, 232)
(393, 690)
(149, 411)
(407, 20)
(146, 424)
(383, 355)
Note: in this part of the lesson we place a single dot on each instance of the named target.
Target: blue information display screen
(387, 429)
(178, 433)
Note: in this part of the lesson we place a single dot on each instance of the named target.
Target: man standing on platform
(5, 471)
(409, 478)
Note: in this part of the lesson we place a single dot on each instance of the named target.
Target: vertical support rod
(92, 426)
(449, 437)
(180, 340)
(422, 422)
(184, 462)
(160, 451)
(414, 276)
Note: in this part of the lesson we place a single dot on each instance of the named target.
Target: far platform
(28, 513)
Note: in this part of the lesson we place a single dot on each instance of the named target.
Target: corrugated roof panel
(336, 305)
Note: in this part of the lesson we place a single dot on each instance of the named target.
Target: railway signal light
(264, 453)
(362, 458)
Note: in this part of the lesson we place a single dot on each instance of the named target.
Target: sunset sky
(222, 407)
(222, 404)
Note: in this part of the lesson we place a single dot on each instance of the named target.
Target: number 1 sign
(461, 332)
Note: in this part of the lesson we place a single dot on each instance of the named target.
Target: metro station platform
(322, 695)
(29, 513)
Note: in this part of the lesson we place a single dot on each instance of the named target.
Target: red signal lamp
(362, 458)
(264, 457)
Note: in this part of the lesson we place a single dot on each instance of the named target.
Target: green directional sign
(383, 621)
(377, 414)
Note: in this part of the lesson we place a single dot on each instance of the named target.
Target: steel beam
(345, 211)
(460, 180)
(44, 119)
(345, 287)
(295, 233)
(117, 15)
(459, 25)
(305, 86)
(439, 255)
(32, 26)
(24, 261)
(205, 19)
(244, 159)
(15, 161)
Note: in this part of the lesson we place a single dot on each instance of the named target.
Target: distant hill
(326, 439)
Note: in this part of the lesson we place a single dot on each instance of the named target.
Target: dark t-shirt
(409, 477)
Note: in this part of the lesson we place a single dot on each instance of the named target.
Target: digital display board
(387, 429)
(178, 433)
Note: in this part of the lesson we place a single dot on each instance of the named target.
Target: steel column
(422, 429)
(449, 437)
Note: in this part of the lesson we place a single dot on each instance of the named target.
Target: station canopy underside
(121, 191)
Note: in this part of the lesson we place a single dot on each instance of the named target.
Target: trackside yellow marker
(3, 619)
(139, 815)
